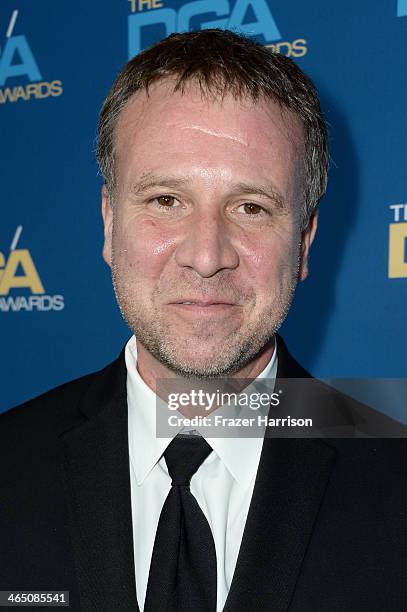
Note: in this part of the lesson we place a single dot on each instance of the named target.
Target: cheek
(143, 245)
(272, 267)
(271, 259)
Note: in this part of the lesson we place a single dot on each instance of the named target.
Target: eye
(166, 206)
(249, 208)
(166, 201)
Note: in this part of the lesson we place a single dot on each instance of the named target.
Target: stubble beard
(235, 350)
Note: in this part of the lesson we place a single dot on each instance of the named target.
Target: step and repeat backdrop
(58, 316)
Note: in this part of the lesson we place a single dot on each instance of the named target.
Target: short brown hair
(222, 62)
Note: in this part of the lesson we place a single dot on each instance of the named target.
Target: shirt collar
(239, 455)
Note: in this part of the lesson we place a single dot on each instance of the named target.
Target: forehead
(163, 124)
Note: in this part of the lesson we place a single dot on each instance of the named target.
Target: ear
(307, 238)
(107, 214)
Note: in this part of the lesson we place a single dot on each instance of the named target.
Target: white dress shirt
(223, 484)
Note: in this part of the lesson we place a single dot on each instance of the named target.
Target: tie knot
(183, 457)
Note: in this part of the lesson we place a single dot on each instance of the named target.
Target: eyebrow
(150, 180)
(267, 191)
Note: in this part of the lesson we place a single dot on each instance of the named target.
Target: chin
(214, 364)
(188, 366)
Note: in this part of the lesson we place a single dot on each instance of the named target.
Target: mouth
(200, 309)
(201, 303)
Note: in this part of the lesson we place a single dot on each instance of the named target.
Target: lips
(202, 303)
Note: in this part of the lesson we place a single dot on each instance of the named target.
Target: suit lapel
(95, 467)
(290, 485)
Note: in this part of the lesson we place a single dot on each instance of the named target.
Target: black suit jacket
(326, 529)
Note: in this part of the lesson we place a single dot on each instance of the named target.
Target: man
(214, 155)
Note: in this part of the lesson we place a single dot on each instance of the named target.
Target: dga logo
(17, 60)
(18, 272)
(250, 17)
(398, 242)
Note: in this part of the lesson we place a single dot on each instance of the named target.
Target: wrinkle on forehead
(216, 133)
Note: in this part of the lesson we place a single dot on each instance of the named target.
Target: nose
(206, 247)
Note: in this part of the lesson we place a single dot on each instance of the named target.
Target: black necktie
(182, 574)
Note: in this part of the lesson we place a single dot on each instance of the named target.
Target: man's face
(204, 235)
